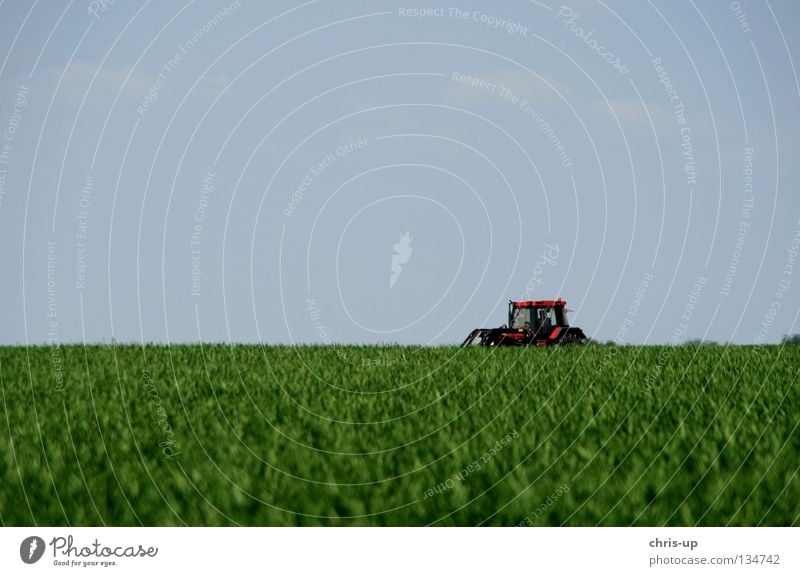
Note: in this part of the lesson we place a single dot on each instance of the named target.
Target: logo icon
(31, 549)
(402, 252)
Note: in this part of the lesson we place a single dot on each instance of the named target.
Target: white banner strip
(400, 551)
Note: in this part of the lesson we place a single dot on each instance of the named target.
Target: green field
(249, 435)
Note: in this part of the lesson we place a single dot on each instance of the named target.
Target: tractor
(530, 323)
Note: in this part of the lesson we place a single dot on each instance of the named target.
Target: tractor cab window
(521, 318)
(546, 317)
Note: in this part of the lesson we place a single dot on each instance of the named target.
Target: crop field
(253, 435)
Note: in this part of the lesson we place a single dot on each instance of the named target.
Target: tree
(700, 342)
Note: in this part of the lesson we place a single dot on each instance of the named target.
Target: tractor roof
(539, 303)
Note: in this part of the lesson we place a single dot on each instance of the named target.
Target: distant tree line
(787, 339)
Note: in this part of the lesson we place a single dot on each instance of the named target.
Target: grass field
(248, 435)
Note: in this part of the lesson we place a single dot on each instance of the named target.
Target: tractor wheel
(571, 339)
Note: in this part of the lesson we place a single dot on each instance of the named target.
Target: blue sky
(242, 171)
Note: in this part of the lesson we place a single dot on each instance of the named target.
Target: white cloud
(519, 83)
(632, 111)
(134, 82)
(212, 86)
(79, 74)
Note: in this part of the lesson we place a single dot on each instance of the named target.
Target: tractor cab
(537, 315)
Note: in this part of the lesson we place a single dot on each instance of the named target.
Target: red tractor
(530, 323)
